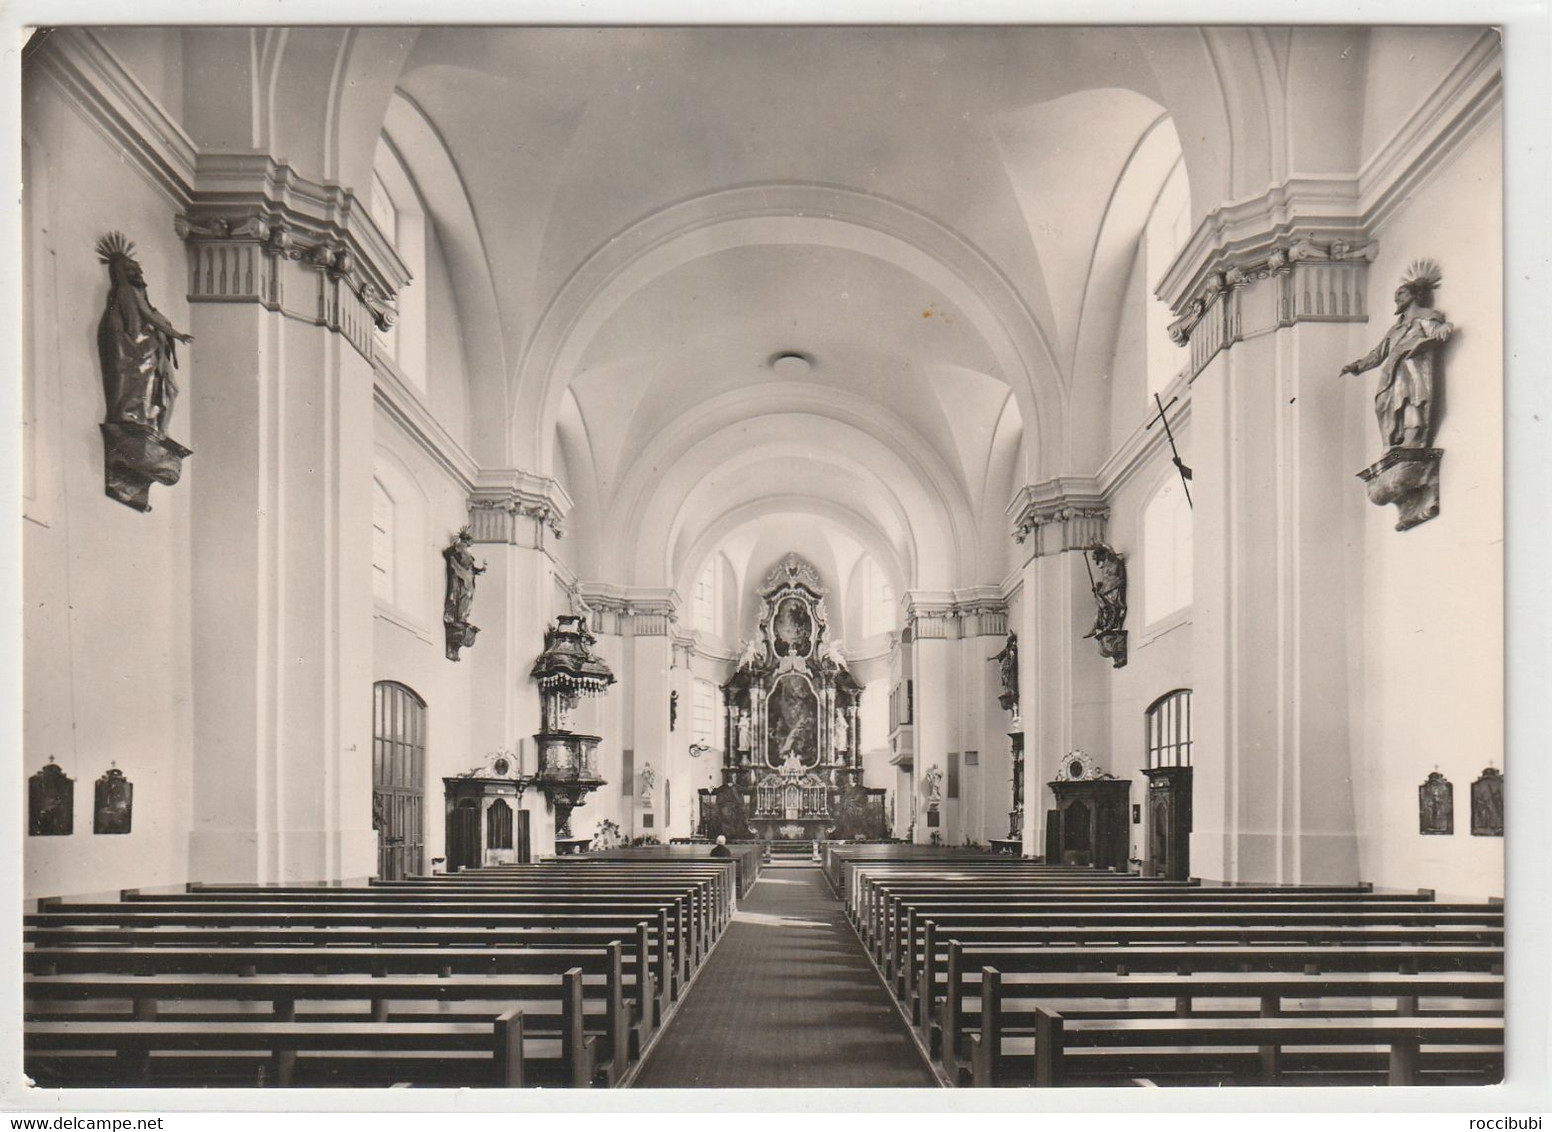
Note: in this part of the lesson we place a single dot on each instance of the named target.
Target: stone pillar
(1269, 327)
(513, 515)
(930, 621)
(284, 292)
(1062, 677)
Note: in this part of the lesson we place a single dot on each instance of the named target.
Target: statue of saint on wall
(461, 573)
(113, 805)
(50, 802)
(648, 779)
(1487, 804)
(1007, 662)
(1436, 805)
(1406, 402)
(1107, 578)
(932, 786)
(673, 710)
(138, 350)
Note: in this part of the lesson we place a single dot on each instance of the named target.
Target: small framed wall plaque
(1436, 805)
(50, 802)
(1487, 804)
(113, 804)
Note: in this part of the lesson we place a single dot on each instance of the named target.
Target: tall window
(703, 713)
(382, 543)
(1167, 555)
(1168, 228)
(878, 600)
(1169, 729)
(706, 601)
(398, 779)
(395, 206)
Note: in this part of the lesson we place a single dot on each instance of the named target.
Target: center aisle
(787, 1001)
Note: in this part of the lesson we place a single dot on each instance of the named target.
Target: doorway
(398, 779)
(1169, 786)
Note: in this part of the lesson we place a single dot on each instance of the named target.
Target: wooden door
(463, 835)
(1169, 822)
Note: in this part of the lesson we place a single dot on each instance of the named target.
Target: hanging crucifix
(1185, 472)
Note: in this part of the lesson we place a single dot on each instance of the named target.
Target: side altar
(792, 750)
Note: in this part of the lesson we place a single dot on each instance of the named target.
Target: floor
(787, 1001)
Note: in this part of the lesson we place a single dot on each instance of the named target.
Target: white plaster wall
(106, 626)
(407, 637)
(1159, 655)
(1428, 654)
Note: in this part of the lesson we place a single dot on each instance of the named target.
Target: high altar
(792, 752)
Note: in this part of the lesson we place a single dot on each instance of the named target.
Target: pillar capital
(640, 611)
(1065, 513)
(259, 232)
(979, 611)
(509, 505)
(1300, 252)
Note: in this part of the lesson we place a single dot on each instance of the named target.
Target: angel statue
(1404, 402)
(136, 343)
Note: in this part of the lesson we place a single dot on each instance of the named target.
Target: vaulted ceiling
(645, 225)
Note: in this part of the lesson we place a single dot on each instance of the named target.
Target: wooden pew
(961, 977)
(133, 1044)
(543, 999)
(905, 956)
(1058, 1037)
(383, 962)
(1008, 1008)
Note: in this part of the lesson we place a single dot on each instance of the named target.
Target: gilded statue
(1406, 358)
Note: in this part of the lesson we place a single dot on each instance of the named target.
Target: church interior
(663, 487)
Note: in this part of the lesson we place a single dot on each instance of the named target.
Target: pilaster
(1062, 678)
(1267, 295)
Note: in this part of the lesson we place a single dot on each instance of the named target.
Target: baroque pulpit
(792, 762)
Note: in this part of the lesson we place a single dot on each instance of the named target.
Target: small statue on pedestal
(1107, 578)
(1408, 473)
(138, 349)
(461, 572)
(1007, 663)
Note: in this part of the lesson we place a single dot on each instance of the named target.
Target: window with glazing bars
(1169, 729)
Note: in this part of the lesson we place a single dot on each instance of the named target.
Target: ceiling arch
(783, 215)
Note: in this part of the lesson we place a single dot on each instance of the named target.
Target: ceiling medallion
(791, 364)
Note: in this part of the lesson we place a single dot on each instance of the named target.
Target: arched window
(703, 713)
(1166, 232)
(1168, 560)
(382, 544)
(706, 601)
(1169, 729)
(398, 779)
(395, 206)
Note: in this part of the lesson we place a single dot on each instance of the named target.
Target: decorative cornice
(1065, 513)
(516, 507)
(1312, 237)
(115, 103)
(402, 406)
(642, 611)
(956, 614)
(263, 234)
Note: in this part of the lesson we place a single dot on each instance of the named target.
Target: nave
(675, 972)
